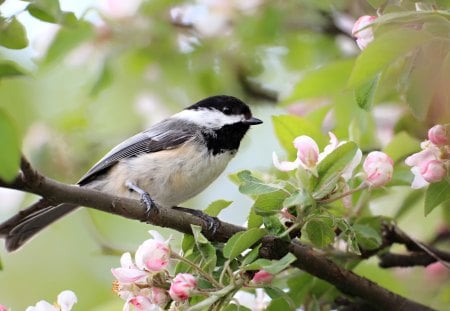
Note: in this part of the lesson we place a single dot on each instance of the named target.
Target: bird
(165, 165)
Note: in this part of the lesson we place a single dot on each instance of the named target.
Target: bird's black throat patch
(227, 138)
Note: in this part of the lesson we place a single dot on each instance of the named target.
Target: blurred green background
(77, 77)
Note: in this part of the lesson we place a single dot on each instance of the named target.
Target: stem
(361, 202)
(330, 200)
(217, 295)
(225, 269)
(199, 270)
(291, 228)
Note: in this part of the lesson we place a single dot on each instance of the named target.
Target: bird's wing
(165, 135)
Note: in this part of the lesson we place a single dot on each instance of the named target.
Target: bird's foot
(212, 223)
(145, 198)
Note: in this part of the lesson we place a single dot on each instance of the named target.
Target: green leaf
(216, 207)
(10, 148)
(436, 194)
(10, 69)
(269, 203)
(254, 220)
(251, 256)
(288, 127)
(376, 3)
(253, 186)
(233, 307)
(12, 34)
(367, 237)
(300, 198)
(331, 168)
(401, 145)
(279, 265)
(279, 303)
(323, 81)
(240, 241)
(206, 250)
(50, 11)
(319, 231)
(384, 50)
(258, 264)
(364, 94)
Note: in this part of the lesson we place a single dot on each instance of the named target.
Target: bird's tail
(20, 228)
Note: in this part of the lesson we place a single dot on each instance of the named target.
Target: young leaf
(364, 94)
(319, 231)
(332, 166)
(216, 207)
(240, 241)
(13, 34)
(10, 69)
(10, 146)
(436, 194)
(269, 203)
(253, 186)
(391, 45)
(299, 197)
(254, 220)
(206, 250)
(367, 237)
(279, 265)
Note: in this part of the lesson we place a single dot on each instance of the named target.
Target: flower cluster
(145, 283)
(65, 301)
(378, 167)
(432, 163)
(362, 31)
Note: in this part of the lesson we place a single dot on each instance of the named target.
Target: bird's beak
(252, 121)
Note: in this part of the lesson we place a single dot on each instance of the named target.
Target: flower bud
(154, 254)
(438, 135)
(182, 286)
(379, 168)
(66, 299)
(361, 31)
(262, 277)
(159, 296)
(307, 151)
(433, 171)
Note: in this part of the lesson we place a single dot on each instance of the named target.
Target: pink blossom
(262, 277)
(140, 303)
(438, 135)
(182, 286)
(42, 306)
(3, 308)
(119, 9)
(154, 254)
(128, 272)
(284, 166)
(433, 171)
(307, 151)
(362, 31)
(378, 167)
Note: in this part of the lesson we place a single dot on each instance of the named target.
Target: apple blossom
(3, 308)
(307, 151)
(182, 286)
(65, 302)
(362, 31)
(159, 296)
(128, 272)
(262, 277)
(438, 135)
(433, 171)
(378, 167)
(154, 254)
(140, 303)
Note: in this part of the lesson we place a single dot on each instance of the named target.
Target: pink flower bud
(262, 277)
(433, 171)
(3, 308)
(154, 254)
(361, 31)
(140, 303)
(182, 286)
(379, 167)
(307, 151)
(438, 135)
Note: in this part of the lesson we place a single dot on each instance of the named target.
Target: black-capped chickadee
(168, 163)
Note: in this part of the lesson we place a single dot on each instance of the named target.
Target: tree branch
(309, 260)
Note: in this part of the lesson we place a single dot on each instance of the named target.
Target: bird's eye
(226, 110)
